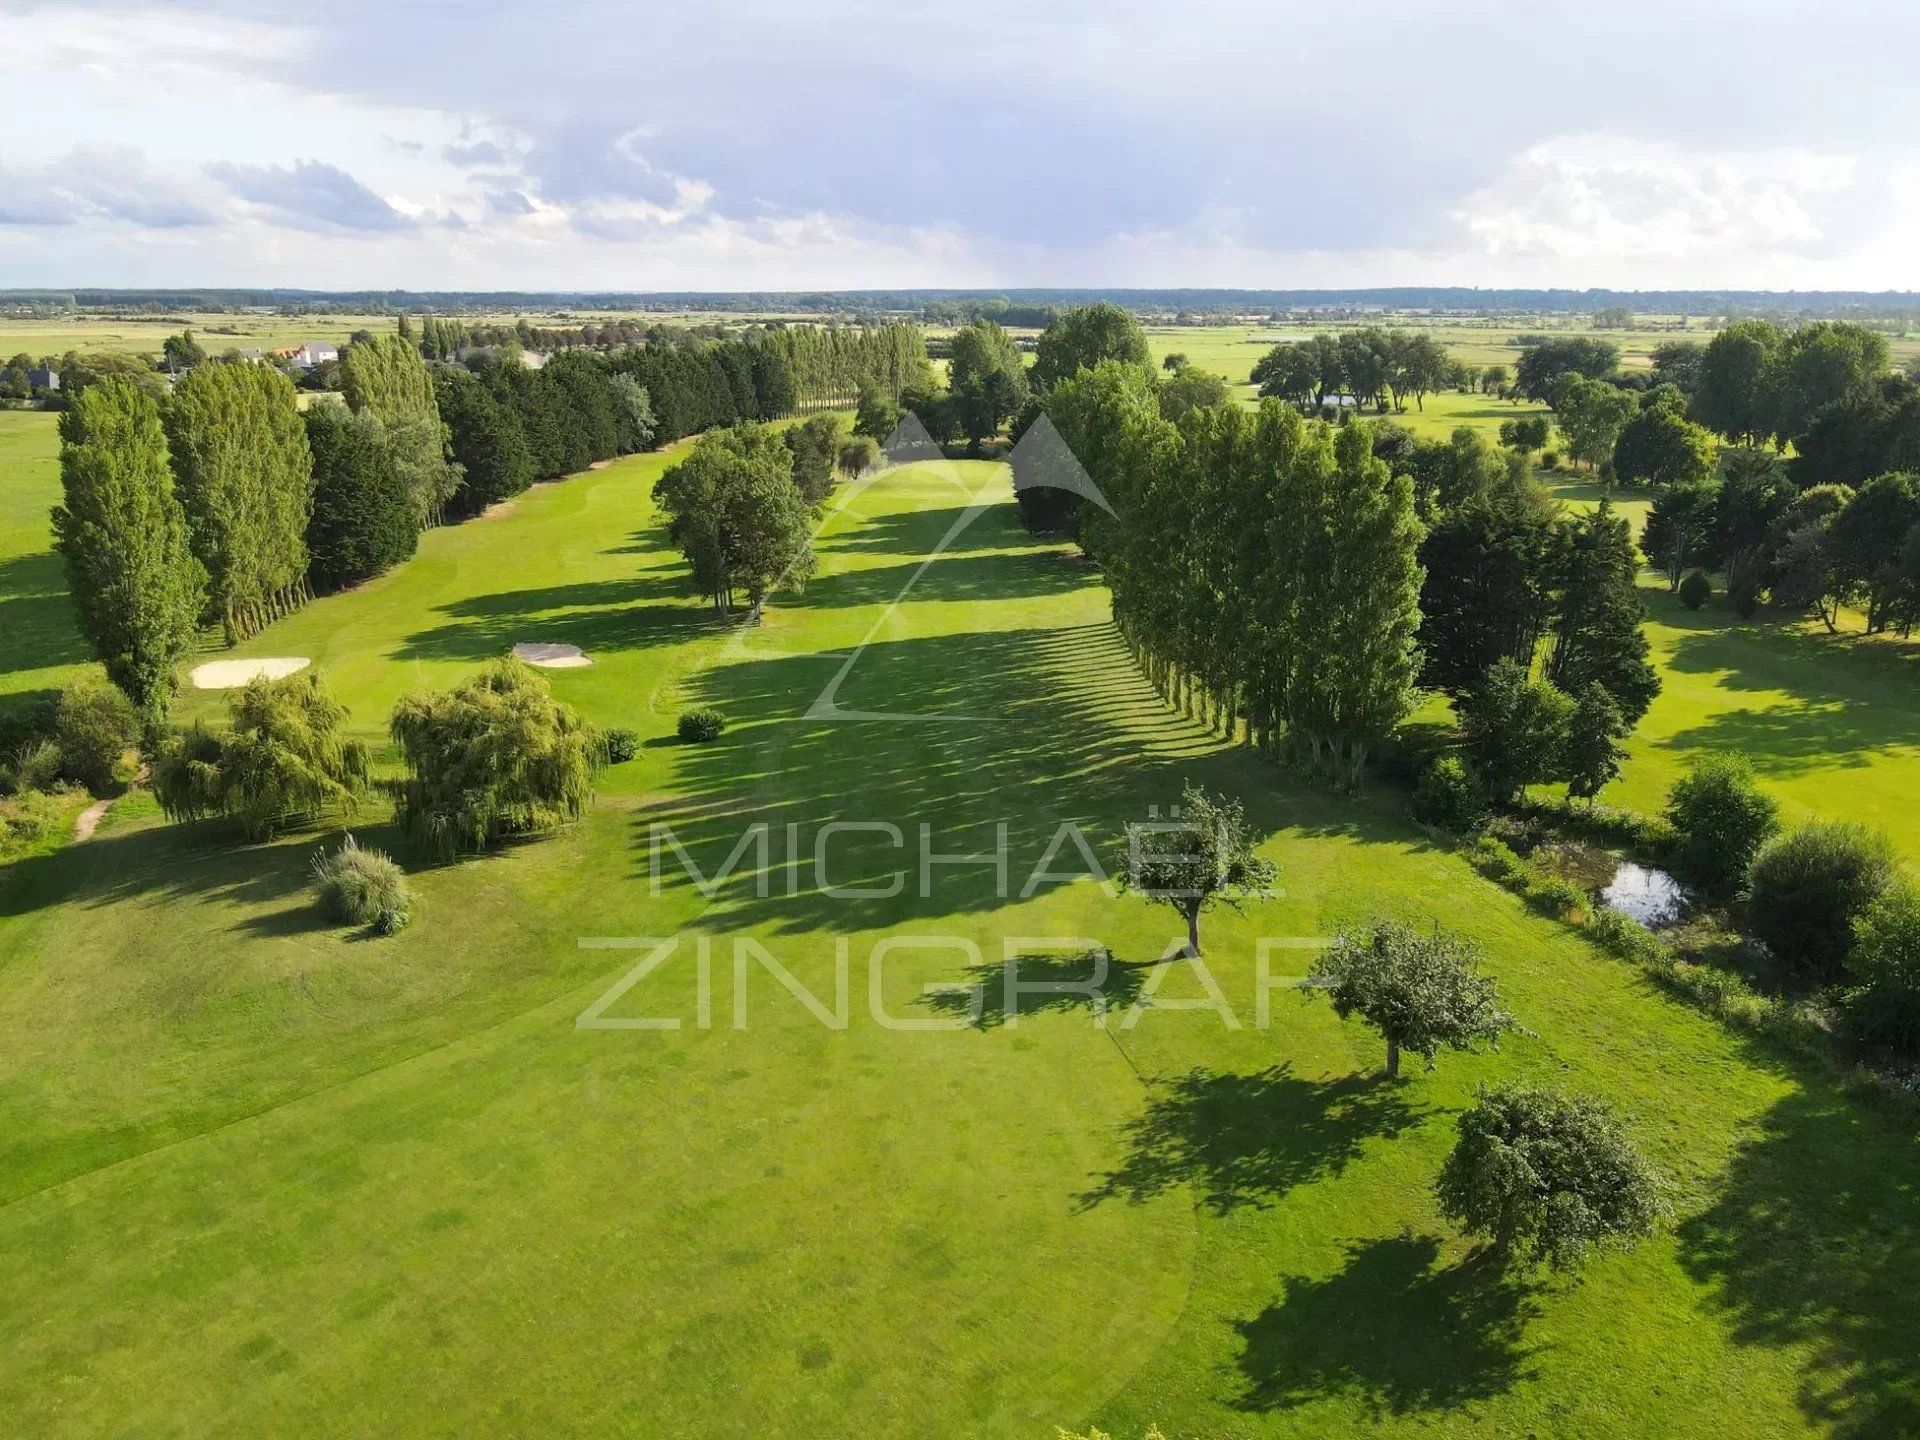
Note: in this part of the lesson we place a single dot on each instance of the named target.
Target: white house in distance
(309, 356)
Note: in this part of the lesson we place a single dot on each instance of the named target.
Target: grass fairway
(40, 648)
(260, 1176)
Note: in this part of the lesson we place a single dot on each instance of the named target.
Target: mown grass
(40, 650)
(263, 1176)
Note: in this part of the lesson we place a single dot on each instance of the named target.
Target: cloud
(111, 184)
(310, 195)
(480, 152)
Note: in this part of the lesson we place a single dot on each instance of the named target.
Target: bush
(362, 887)
(1547, 1177)
(696, 727)
(1549, 459)
(1696, 589)
(1624, 936)
(1808, 888)
(95, 725)
(37, 766)
(1449, 797)
(495, 758)
(622, 746)
(1720, 819)
(1885, 963)
(1744, 594)
(30, 817)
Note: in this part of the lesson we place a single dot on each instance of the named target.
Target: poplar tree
(130, 567)
(244, 475)
(386, 377)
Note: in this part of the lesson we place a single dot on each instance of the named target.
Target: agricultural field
(143, 335)
(259, 1175)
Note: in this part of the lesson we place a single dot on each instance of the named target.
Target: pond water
(1653, 897)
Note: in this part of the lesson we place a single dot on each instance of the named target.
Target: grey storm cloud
(110, 184)
(480, 152)
(311, 195)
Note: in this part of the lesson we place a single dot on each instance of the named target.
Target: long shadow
(1242, 1140)
(1814, 1244)
(989, 995)
(601, 617)
(1389, 1330)
(36, 615)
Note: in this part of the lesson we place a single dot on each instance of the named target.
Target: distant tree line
(1374, 367)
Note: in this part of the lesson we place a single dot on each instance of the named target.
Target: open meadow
(257, 1174)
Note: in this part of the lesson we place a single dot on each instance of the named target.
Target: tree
(1597, 634)
(386, 377)
(1695, 590)
(1547, 1177)
(737, 515)
(1720, 817)
(1809, 886)
(877, 414)
(1755, 496)
(1677, 363)
(130, 565)
(1593, 753)
(1824, 363)
(1547, 366)
(1660, 446)
(1884, 964)
(633, 413)
(497, 757)
(857, 456)
(487, 441)
(181, 352)
(1854, 439)
(1190, 389)
(1868, 539)
(94, 725)
(1083, 337)
(363, 518)
(1421, 992)
(814, 445)
(1526, 434)
(1205, 855)
(1731, 394)
(244, 474)
(1449, 797)
(1592, 415)
(1486, 593)
(1493, 379)
(283, 761)
(1517, 730)
(1177, 360)
(1680, 530)
(986, 379)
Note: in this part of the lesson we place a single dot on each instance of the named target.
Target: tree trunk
(1393, 1060)
(1193, 934)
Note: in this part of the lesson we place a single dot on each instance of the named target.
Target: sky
(855, 144)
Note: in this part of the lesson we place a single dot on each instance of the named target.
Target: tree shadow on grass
(1391, 1331)
(36, 616)
(991, 995)
(1248, 1139)
(601, 617)
(1814, 1243)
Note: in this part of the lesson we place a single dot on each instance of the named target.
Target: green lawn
(40, 650)
(260, 1176)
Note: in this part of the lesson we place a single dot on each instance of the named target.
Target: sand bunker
(552, 657)
(232, 674)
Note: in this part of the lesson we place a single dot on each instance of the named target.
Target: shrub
(1623, 936)
(495, 758)
(1517, 730)
(1549, 459)
(622, 746)
(1744, 594)
(1547, 1177)
(1810, 886)
(95, 724)
(32, 815)
(1720, 818)
(699, 726)
(1696, 589)
(1449, 797)
(1885, 963)
(362, 887)
(36, 766)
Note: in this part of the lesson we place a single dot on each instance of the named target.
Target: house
(311, 355)
(43, 379)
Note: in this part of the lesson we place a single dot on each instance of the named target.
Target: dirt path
(88, 820)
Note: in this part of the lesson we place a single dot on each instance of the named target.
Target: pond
(1653, 897)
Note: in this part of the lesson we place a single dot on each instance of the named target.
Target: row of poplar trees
(1264, 568)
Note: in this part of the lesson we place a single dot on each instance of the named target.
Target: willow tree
(496, 758)
(244, 474)
(386, 377)
(284, 761)
(130, 564)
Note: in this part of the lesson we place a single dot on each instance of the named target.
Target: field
(257, 1175)
(40, 650)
